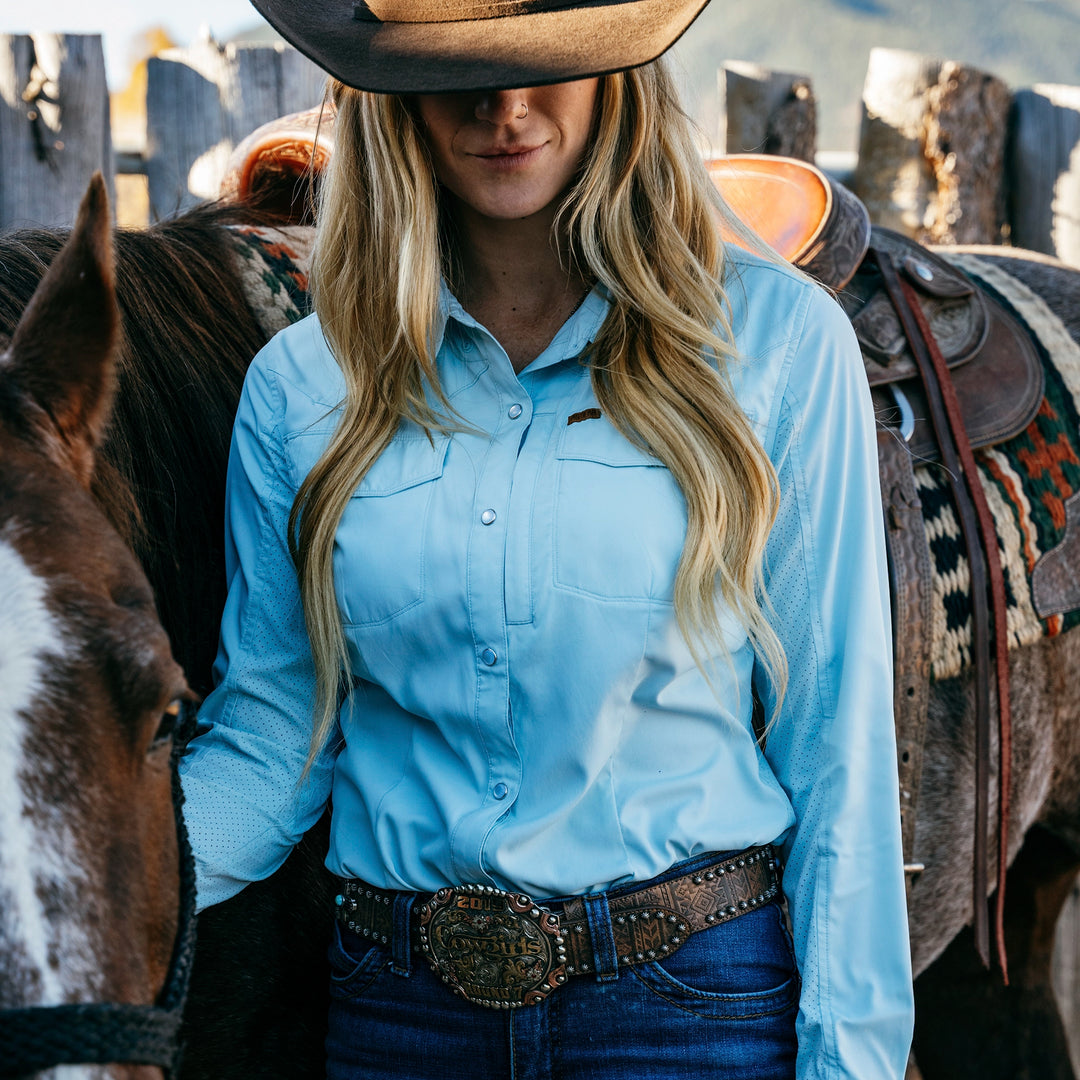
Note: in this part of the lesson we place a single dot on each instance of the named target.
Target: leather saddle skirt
(997, 373)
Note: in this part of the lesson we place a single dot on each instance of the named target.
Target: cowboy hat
(442, 46)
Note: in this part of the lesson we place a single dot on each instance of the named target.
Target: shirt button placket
(489, 623)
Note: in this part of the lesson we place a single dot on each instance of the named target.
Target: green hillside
(1021, 41)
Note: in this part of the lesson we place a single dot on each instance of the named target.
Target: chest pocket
(620, 518)
(379, 546)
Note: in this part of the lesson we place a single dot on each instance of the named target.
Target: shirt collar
(571, 338)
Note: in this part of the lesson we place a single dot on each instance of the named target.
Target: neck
(516, 261)
(513, 281)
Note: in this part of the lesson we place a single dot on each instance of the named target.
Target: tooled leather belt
(502, 950)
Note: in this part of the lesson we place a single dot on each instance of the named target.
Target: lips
(509, 158)
(507, 151)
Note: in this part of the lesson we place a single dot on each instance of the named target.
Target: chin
(512, 209)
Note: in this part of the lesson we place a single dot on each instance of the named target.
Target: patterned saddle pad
(1027, 481)
(273, 266)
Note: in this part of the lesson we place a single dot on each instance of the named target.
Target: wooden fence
(200, 102)
(54, 125)
(947, 154)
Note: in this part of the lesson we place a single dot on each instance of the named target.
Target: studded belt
(502, 950)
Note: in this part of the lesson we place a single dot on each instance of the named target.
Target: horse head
(89, 691)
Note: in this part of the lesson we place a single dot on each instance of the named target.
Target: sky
(118, 21)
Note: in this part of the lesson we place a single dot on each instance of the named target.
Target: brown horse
(258, 1000)
(171, 350)
(89, 691)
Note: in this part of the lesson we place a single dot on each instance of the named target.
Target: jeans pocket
(354, 964)
(738, 970)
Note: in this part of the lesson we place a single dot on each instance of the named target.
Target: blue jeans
(722, 1006)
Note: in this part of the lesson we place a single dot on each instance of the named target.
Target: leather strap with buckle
(502, 950)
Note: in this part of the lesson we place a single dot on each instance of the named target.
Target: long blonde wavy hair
(642, 218)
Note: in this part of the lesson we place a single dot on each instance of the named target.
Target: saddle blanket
(1027, 481)
(273, 266)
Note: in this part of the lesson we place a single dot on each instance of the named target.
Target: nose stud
(523, 111)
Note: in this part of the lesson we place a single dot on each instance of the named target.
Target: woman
(550, 488)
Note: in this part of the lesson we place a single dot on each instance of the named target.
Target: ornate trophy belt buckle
(494, 948)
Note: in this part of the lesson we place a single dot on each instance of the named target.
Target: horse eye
(169, 718)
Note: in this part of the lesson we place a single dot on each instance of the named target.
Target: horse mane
(187, 337)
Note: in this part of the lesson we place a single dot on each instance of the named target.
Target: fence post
(931, 148)
(201, 101)
(1043, 168)
(54, 125)
(766, 112)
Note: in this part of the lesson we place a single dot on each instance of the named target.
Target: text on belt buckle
(494, 948)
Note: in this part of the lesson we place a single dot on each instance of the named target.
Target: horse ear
(62, 351)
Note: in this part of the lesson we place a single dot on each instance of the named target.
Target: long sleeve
(832, 743)
(244, 806)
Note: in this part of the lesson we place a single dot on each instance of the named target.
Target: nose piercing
(524, 111)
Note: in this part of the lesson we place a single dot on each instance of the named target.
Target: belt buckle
(494, 948)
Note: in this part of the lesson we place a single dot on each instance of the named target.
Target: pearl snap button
(500, 791)
(489, 656)
(514, 412)
(487, 517)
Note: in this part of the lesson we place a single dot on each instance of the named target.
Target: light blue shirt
(526, 712)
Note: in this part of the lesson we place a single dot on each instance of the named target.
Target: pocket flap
(408, 460)
(599, 440)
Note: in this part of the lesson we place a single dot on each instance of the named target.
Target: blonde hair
(642, 219)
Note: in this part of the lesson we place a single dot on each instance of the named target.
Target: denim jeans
(722, 1006)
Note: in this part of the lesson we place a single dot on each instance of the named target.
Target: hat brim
(592, 38)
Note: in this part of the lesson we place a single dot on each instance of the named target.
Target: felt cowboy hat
(441, 46)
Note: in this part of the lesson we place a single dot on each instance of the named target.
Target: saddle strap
(911, 579)
(984, 562)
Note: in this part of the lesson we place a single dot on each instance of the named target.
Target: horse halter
(44, 1036)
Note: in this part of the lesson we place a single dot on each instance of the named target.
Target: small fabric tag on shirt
(585, 414)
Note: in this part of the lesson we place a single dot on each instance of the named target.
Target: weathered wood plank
(766, 112)
(931, 149)
(54, 125)
(1043, 171)
(201, 101)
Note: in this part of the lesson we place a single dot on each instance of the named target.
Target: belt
(502, 950)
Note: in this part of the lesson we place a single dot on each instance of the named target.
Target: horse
(189, 328)
(90, 696)
(168, 342)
